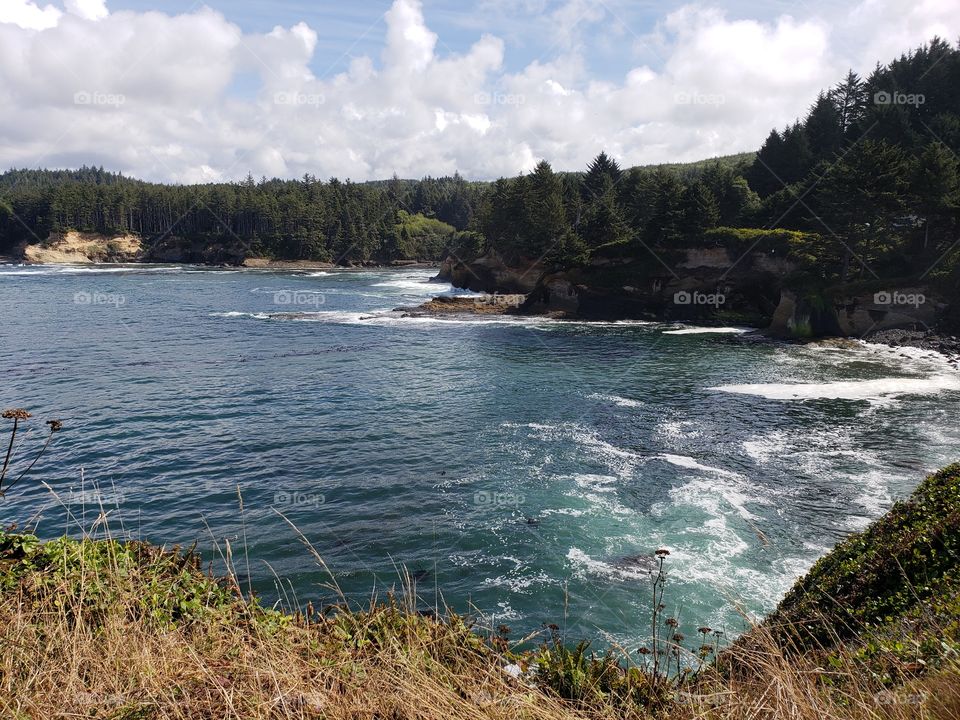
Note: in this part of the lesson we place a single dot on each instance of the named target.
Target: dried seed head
(15, 414)
(55, 425)
(662, 553)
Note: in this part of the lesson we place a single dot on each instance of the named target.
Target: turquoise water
(520, 469)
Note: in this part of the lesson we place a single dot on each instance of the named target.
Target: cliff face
(490, 273)
(84, 248)
(89, 248)
(698, 284)
(854, 312)
(709, 285)
(174, 249)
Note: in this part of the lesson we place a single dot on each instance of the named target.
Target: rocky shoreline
(442, 305)
(757, 291)
(488, 305)
(81, 248)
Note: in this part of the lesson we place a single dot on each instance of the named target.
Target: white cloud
(88, 9)
(192, 98)
(28, 15)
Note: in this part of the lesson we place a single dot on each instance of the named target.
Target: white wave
(235, 314)
(597, 483)
(847, 389)
(42, 270)
(709, 496)
(904, 359)
(708, 331)
(618, 461)
(519, 583)
(616, 400)
(599, 492)
(677, 430)
(762, 449)
(570, 512)
(420, 284)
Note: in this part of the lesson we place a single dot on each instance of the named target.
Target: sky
(187, 92)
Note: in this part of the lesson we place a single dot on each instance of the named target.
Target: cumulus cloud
(88, 9)
(28, 15)
(193, 98)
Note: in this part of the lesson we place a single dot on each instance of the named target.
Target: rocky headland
(713, 286)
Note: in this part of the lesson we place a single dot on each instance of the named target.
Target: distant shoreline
(258, 265)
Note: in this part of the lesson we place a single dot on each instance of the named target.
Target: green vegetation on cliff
(123, 630)
(892, 592)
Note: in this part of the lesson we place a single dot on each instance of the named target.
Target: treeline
(869, 177)
(336, 220)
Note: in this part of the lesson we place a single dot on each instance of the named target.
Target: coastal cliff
(83, 248)
(764, 288)
(80, 248)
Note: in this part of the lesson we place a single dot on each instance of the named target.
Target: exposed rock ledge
(710, 286)
(84, 248)
(487, 305)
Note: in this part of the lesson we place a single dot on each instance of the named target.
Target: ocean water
(521, 470)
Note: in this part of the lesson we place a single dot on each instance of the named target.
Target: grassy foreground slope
(103, 629)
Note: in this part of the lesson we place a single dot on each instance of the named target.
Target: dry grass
(108, 630)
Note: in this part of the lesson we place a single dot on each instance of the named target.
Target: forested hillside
(869, 175)
(335, 220)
